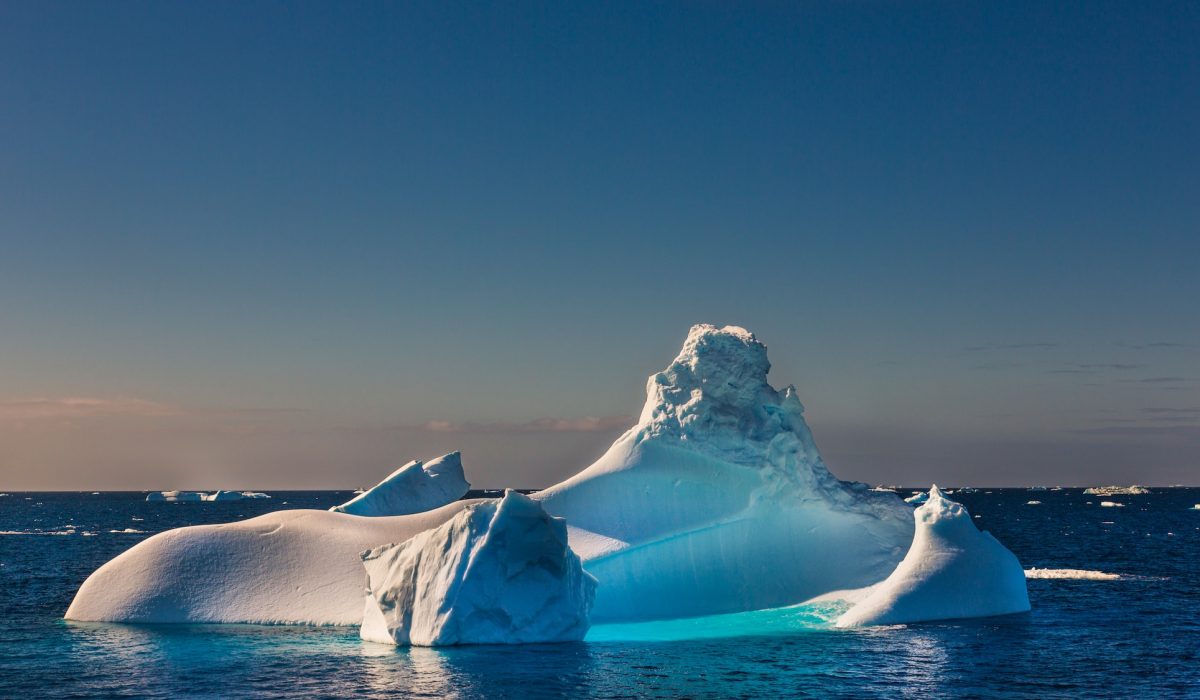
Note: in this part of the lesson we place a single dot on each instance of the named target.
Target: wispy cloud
(1173, 411)
(588, 424)
(1011, 346)
(1154, 346)
(1160, 380)
(1170, 431)
(83, 407)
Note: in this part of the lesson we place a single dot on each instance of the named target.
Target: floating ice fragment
(1078, 574)
(1134, 490)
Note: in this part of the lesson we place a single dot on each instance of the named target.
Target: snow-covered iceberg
(498, 572)
(952, 570)
(1134, 490)
(413, 488)
(718, 500)
(177, 496)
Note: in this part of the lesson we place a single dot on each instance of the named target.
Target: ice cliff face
(719, 501)
(498, 572)
(413, 488)
(952, 570)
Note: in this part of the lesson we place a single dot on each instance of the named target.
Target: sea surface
(1137, 636)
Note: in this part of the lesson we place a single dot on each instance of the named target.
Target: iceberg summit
(717, 501)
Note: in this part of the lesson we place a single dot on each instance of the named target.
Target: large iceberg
(414, 488)
(498, 572)
(718, 500)
(952, 570)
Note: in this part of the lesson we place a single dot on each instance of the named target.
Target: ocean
(1137, 635)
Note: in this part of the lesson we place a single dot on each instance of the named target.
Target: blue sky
(261, 244)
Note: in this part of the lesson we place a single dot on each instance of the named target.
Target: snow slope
(413, 488)
(952, 570)
(718, 501)
(498, 572)
(290, 566)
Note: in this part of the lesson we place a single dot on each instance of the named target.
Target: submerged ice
(717, 501)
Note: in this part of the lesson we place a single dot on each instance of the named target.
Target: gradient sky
(296, 244)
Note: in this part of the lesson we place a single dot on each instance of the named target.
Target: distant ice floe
(1111, 504)
(917, 498)
(1033, 503)
(201, 496)
(1075, 574)
(1134, 490)
(35, 532)
(127, 531)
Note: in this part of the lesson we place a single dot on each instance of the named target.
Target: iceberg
(917, 498)
(718, 500)
(285, 567)
(413, 488)
(220, 496)
(952, 570)
(177, 496)
(1134, 490)
(1111, 504)
(498, 572)
(1071, 574)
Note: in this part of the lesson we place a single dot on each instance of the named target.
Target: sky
(269, 245)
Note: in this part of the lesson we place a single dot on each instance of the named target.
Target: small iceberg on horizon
(202, 496)
(1134, 490)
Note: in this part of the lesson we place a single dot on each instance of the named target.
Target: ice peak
(714, 398)
(939, 508)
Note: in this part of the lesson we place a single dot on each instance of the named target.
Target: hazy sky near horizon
(296, 244)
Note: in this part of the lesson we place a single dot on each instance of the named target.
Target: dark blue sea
(1134, 637)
